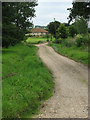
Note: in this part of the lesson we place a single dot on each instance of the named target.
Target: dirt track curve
(70, 99)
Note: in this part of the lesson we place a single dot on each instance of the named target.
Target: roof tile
(38, 30)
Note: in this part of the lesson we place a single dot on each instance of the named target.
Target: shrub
(82, 40)
(79, 40)
(69, 42)
(59, 40)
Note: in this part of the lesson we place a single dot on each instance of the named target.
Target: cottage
(38, 31)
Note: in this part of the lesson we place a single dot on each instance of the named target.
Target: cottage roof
(38, 30)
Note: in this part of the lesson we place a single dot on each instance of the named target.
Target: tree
(88, 30)
(79, 9)
(66, 24)
(11, 35)
(19, 13)
(81, 26)
(72, 30)
(15, 21)
(62, 31)
(52, 27)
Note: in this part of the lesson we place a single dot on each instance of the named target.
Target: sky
(47, 10)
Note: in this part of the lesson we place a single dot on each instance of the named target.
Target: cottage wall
(37, 34)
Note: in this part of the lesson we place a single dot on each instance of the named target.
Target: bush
(79, 40)
(82, 40)
(69, 42)
(59, 40)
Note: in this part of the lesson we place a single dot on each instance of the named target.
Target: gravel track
(70, 97)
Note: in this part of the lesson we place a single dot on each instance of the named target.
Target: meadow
(26, 81)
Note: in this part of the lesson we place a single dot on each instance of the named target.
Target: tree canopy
(62, 31)
(79, 9)
(52, 27)
(81, 26)
(16, 18)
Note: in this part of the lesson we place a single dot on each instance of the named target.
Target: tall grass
(26, 81)
(74, 48)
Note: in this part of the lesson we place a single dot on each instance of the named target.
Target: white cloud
(55, 0)
(47, 11)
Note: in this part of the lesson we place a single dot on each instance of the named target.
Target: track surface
(70, 97)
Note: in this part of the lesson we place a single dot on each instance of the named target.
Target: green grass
(26, 81)
(36, 40)
(75, 53)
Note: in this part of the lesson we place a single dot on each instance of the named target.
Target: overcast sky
(47, 10)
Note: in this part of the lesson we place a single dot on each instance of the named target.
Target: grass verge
(26, 81)
(75, 53)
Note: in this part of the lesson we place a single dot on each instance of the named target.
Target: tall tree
(15, 19)
(19, 13)
(79, 9)
(52, 27)
(72, 30)
(62, 31)
(81, 26)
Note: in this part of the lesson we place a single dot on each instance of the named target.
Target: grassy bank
(76, 53)
(26, 81)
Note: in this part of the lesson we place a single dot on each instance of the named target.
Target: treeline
(78, 29)
(62, 31)
(16, 18)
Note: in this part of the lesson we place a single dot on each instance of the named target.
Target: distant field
(75, 53)
(36, 40)
(26, 81)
